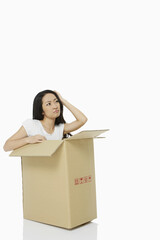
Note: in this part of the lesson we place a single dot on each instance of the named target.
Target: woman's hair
(37, 109)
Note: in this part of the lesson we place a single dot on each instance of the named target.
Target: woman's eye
(57, 101)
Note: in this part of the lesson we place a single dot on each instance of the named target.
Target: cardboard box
(58, 178)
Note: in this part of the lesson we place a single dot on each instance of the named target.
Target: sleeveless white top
(34, 127)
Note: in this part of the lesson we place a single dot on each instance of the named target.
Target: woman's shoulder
(31, 126)
(30, 121)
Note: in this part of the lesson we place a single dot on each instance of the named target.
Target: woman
(47, 123)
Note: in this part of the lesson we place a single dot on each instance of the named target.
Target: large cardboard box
(58, 179)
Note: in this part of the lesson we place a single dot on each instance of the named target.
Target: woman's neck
(48, 124)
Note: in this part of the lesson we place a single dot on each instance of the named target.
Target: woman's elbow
(85, 120)
(6, 147)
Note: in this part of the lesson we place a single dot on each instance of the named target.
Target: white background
(104, 58)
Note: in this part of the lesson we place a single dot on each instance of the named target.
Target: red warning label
(83, 180)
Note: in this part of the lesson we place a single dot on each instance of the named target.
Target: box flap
(45, 148)
(87, 134)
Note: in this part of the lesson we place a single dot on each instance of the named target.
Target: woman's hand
(35, 139)
(60, 97)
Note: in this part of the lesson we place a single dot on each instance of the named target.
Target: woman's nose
(55, 105)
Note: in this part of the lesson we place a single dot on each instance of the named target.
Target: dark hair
(37, 109)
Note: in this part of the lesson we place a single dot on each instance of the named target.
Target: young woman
(47, 123)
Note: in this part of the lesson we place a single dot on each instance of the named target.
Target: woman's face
(50, 106)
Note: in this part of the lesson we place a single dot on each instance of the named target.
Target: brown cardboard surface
(48, 147)
(45, 189)
(80, 164)
(45, 148)
(58, 179)
(87, 134)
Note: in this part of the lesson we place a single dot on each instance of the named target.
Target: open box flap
(87, 134)
(43, 149)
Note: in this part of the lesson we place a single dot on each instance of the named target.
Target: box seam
(68, 186)
(94, 175)
(22, 185)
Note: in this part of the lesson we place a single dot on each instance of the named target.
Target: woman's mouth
(56, 111)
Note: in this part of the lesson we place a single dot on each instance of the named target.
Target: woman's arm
(20, 139)
(81, 119)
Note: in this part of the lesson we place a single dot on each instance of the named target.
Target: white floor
(37, 231)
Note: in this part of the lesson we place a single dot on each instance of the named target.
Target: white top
(34, 127)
